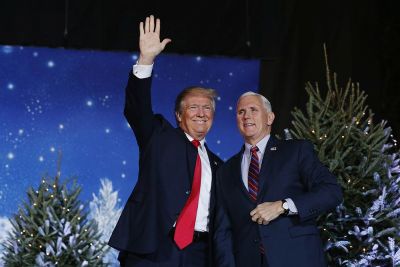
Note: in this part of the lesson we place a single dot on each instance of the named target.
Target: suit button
(187, 192)
(256, 240)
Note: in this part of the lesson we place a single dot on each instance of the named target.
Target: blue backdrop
(71, 101)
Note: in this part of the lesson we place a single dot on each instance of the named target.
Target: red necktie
(184, 228)
(253, 180)
(254, 170)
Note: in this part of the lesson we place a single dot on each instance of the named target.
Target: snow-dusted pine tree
(52, 229)
(364, 229)
(105, 211)
(5, 229)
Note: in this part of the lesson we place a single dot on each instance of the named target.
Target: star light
(107, 130)
(123, 175)
(50, 64)
(231, 74)
(218, 141)
(7, 49)
(89, 103)
(10, 155)
(20, 131)
(124, 162)
(52, 149)
(41, 159)
(230, 108)
(219, 98)
(10, 86)
(198, 59)
(60, 126)
(35, 54)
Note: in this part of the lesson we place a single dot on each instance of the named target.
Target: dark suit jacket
(166, 166)
(290, 169)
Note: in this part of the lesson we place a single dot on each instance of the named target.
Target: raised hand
(149, 40)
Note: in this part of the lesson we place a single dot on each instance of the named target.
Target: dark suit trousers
(194, 255)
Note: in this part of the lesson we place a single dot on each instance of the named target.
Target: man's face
(196, 116)
(253, 120)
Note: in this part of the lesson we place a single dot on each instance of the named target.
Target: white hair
(264, 100)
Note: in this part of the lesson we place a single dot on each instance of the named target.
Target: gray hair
(264, 100)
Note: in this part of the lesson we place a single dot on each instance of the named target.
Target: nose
(200, 112)
(246, 115)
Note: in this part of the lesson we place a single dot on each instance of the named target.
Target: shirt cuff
(142, 71)
(292, 207)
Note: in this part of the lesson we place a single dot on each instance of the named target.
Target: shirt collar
(261, 144)
(202, 141)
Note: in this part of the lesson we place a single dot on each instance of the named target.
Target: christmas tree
(51, 229)
(364, 229)
(104, 210)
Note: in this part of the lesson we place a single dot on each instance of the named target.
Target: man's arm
(138, 109)
(323, 191)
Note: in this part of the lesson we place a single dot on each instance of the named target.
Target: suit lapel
(266, 165)
(214, 164)
(191, 156)
(236, 173)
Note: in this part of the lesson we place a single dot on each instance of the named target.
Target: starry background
(71, 101)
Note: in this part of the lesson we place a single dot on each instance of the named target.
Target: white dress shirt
(202, 216)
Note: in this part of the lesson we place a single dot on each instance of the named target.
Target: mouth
(246, 125)
(200, 121)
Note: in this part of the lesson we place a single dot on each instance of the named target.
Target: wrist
(285, 207)
(145, 60)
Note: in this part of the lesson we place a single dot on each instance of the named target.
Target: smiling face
(253, 119)
(196, 115)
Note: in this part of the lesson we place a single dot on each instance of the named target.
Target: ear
(270, 118)
(178, 116)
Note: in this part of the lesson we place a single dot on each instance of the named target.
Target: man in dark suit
(269, 195)
(165, 221)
